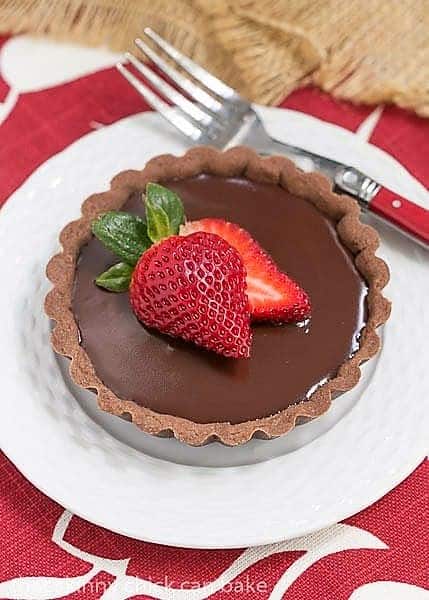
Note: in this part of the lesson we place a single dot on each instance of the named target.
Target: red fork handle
(402, 214)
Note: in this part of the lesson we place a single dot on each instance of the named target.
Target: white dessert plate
(108, 472)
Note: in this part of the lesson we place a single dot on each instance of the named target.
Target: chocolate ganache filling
(288, 362)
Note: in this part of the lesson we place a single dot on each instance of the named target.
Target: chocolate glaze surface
(287, 363)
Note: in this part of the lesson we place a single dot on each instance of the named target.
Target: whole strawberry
(194, 287)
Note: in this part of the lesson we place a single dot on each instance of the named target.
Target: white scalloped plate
(108, 472)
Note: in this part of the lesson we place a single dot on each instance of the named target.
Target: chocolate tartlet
(169, 387)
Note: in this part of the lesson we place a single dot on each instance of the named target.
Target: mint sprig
(128, 236)
(117, 278)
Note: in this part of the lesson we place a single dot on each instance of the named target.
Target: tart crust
(362, 240)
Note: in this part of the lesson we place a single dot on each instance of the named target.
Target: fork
(220, 117)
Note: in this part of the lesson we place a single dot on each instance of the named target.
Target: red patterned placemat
(45, 552)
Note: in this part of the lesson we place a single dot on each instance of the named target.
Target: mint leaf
(169, 201)
(161, 203)
(123, 234)
(158, 223)
(117, 278)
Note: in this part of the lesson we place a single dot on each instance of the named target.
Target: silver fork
(220, 117)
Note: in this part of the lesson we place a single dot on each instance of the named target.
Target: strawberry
(273, 296)
(194, 287)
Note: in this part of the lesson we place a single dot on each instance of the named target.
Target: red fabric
(318, 104)
(43, 123)
(405, 136)
(400, 520)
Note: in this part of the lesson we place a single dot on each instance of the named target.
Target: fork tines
(194, 120)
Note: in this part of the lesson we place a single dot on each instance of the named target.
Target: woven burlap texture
(368, 51)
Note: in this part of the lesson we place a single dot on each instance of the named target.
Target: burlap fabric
(370, 51)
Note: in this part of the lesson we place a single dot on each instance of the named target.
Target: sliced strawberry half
(273, 295)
